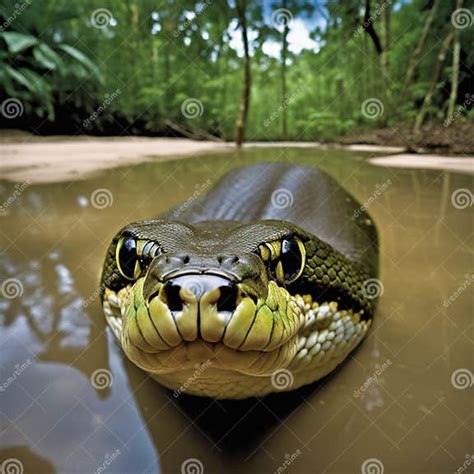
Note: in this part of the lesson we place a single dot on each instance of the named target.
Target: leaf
(20, 78)
(46, 56)
(82, 58)
(17, 42)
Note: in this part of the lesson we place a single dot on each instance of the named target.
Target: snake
(264, 283)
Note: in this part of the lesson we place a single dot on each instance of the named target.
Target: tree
(241, 6)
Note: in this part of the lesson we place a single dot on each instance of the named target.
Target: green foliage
(161, 53)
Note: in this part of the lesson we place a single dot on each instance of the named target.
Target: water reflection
(393, 400)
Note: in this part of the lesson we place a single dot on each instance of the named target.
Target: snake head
(236, 295)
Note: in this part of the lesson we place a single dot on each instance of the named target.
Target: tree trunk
(413, 63)
(436, 74)
(455, 74)
(245, 99)
(368, 20)
(284, 51)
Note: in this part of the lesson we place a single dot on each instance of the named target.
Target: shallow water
(70, 402)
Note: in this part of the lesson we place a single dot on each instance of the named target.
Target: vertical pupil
(290, 258)
(128, 257)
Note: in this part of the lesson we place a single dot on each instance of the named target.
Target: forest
(236, 69)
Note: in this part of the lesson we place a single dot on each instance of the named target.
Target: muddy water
(70, 402)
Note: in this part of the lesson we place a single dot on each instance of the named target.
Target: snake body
(259, 286)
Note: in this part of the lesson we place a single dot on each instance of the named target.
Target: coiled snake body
(256, 287)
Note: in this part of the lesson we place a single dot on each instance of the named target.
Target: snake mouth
(176, 325)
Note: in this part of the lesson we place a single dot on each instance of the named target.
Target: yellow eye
(291, 261)
(127, 258)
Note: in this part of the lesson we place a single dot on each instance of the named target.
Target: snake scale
(258, 286)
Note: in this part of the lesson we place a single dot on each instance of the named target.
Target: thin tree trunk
(436, 75)
(455, 74)
(245, 99)
(413, 63)
(284, 51)
(368, 20)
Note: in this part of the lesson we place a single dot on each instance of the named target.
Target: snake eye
(127, 258)
(292, 260)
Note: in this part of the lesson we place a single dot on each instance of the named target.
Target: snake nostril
(172, 297)
(228, 298)
(186, 259)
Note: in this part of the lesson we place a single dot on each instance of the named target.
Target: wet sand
(55, 159)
